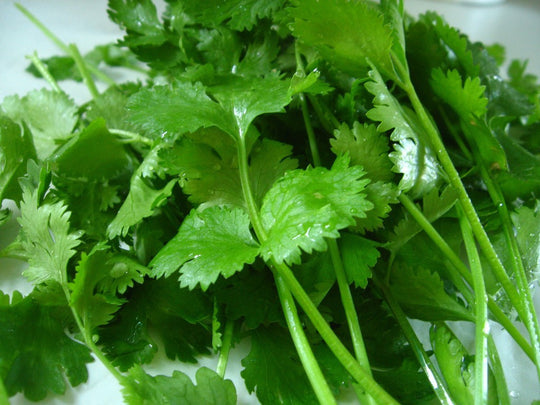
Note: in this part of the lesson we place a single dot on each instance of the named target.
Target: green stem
(431, 372)
(58, 42)
(458, 265)
(350, 312)
(531, 319)
(42, 69)
(4, 398)
(81, 65)
(481, 320)
(130, 137)
(311, 366)
(336, 346)
(498, 373)
(87, 336)
(225, 349)
(467, 205)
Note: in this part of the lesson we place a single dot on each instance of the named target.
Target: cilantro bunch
(308, 177)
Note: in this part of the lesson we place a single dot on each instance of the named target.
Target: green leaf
(51, 117)
(142, 199)
(143, 389)
(251, 296)
(239, 15)
(359, 255)
(244, 99)
(381, 195)
(457, 366)
(271, 353)
(16, 148)
(46, 239)
(207, 164)
(214, 242)
(434, 206)
(92, 154)
(92, 306)
(164, 111)
(332, 26)
(306, 206)
(367, 147)
(110, 105)
(527, 226)
(422, 295)
(413, 156)
(139, 18)
(36, 355)
(465, 97)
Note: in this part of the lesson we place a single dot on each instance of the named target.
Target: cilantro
(302, 177)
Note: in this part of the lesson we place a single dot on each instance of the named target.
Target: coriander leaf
(244, 99)
(164, 111)
(456, 41)
(527, 226)
(92, 154)
(413, 156)
(422, 295)
(333, 28)
(359, 256)
(381, 195)
(210, 243)
(139, 18)
(16, 148)
(306, 206)
(207, 167)
(92, 306)
(250, 296)
(36, 355)
(239, 15)
(143, 389)
(158, 313)
(269, 161)
(142, 199)
(46, 238)
(523, 177)
(434, 206)
(110, 105)
(271, 353)
(367, 147)
(310, 84)
(465, 97)
(50, 116)
(207, 164)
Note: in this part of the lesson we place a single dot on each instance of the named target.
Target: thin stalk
(498, 372)
(87, 336)
(431, 372)
(42, 69)
(348, 304)
(335, 255)
(81, 65)
(311, 366)
(225, 348)
(467, 205)
(129, 137)
(336, 346)
(531, 321)
(60, 44)
(4, 398)
(456, 262)
(481, 320)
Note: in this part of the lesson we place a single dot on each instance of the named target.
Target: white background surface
(514, 24)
